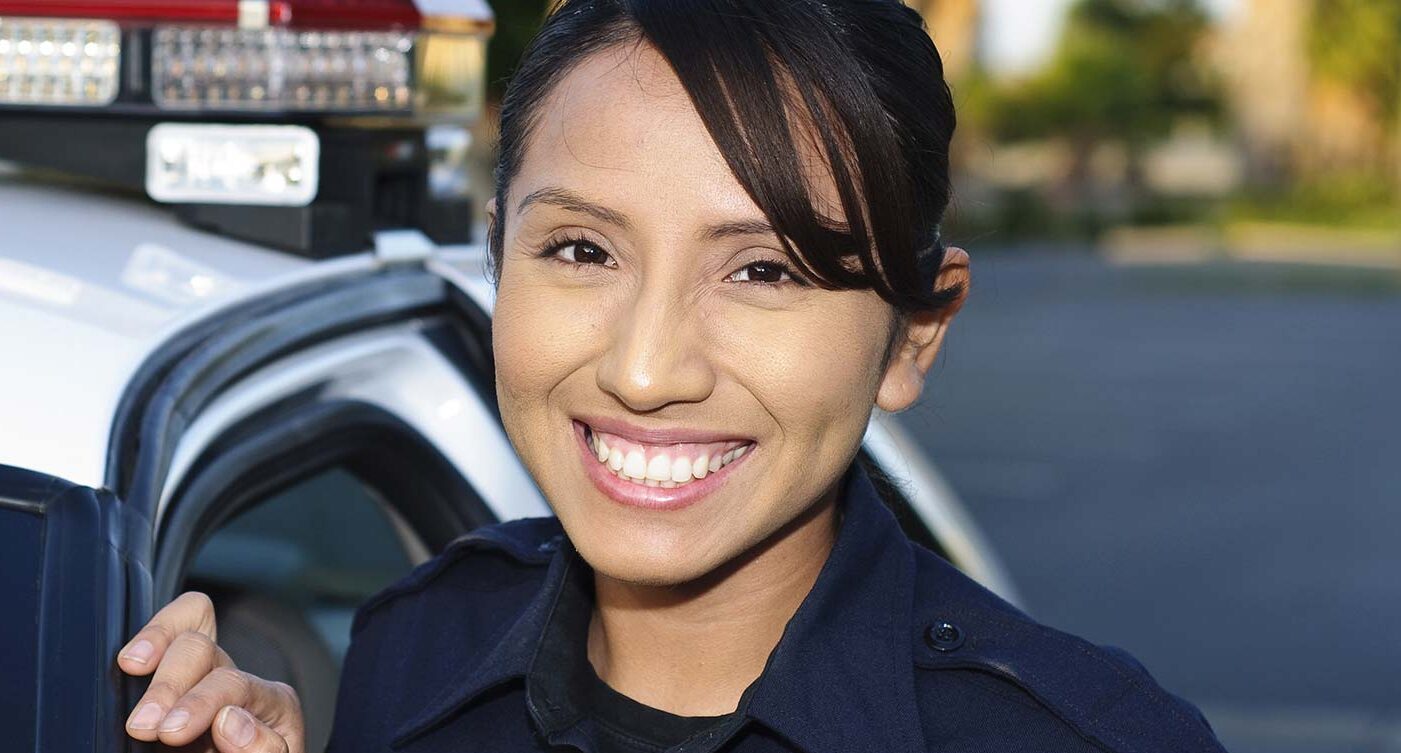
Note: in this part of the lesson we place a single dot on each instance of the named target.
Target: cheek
(540, 334)
(536, 346)
(815, 370)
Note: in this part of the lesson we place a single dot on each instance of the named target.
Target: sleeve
(1187, 706)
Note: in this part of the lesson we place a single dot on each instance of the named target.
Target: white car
(288, 432)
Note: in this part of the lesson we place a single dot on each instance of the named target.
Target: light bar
(196, 68)
(58, 62)
(341, 14)
(232, 164)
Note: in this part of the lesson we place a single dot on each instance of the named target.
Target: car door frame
(205, 360)
(79, 627)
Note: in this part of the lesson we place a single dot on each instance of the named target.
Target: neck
(692, 649)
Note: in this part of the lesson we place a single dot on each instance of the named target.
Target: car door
(297, 456)
(63, 576)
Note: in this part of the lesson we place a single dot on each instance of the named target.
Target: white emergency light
(232, 164)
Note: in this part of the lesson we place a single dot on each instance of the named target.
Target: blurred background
(1172, 402)
(1173, 398)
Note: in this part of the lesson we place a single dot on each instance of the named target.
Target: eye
(580, 251)
(764, 272)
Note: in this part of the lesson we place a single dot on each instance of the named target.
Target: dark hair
(863, 75)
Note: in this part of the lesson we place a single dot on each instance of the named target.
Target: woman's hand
(197, 697)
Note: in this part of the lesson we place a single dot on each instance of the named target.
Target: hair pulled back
(862, 76)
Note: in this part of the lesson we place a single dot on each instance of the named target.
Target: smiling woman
(715, 234)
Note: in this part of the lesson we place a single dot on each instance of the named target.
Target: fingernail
(236, 726)
(175, 720)
(139, 652)
(146, 717)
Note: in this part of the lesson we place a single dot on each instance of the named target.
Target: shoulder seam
(1134, 682)
(483, 538)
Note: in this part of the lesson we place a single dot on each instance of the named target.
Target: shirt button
(943, 636)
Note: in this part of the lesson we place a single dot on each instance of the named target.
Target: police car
(245, 338)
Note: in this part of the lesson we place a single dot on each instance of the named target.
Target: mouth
(657, 469)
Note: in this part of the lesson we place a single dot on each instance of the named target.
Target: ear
(916, 349)
(490, 214)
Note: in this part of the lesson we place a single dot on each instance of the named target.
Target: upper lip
(659, 435)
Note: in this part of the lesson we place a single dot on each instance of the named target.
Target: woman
(716, 238)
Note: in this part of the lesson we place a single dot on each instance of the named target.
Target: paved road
(1202, 465)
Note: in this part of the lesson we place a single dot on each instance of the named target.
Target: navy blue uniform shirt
(893, 650)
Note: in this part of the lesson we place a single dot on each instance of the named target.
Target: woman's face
(643, 305)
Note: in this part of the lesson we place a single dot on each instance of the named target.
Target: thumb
(237, 731)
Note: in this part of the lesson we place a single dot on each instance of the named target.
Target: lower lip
(651, 497)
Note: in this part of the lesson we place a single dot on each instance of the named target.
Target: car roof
(91, 282)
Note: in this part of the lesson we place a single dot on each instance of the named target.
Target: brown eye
(582, 252)
(762, 272)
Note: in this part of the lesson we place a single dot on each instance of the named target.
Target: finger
(188, 659)
(190, 611)
(237, 731)
(193, 713)
(274, 703)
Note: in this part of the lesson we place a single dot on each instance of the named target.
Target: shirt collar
(842, 676)
(840, 679)
(507, 660)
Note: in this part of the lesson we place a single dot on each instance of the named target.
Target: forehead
(621, 125)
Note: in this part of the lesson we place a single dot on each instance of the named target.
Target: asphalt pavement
(1200, 464)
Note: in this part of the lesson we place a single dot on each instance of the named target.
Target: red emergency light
(359, 14)
(303, 124)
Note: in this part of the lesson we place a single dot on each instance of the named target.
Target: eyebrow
(573, 202)
(568, 200)
(738, 228)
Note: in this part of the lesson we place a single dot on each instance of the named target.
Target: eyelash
(552, 249)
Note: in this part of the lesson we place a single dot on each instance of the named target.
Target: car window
(323, 545)
(287, 574)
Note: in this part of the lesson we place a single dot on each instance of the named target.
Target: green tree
(516, 22)
(1122, 70)
(1357, 43)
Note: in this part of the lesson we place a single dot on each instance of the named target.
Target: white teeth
(681, 469)
(635, 465)
(659, 468)
(662, 470)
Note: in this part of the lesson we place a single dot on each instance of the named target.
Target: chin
(644, 558)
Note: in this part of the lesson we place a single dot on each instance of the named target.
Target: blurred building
(1290, 121)
(954, 26)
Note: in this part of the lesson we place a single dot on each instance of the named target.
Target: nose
(656, 354)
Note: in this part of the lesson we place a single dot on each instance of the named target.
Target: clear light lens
(232, 164)
(195, 68)
(51, 61)
(451, 76)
